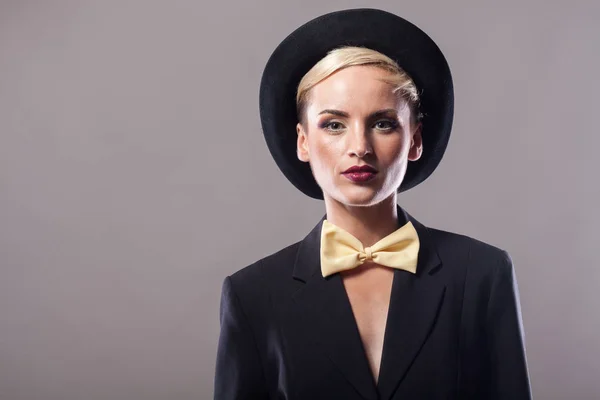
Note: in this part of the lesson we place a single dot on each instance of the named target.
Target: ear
(302, 144)
(416, 148)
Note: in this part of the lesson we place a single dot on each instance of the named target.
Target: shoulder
(265, 275)
(475, 248)
(479, 270)
(476, 258)
(274, 264)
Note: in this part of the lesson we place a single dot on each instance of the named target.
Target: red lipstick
(360, 173)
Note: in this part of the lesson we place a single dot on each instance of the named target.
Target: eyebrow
(345, 114)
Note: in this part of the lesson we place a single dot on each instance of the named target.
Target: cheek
(393, 150)
(324, 154)
(393, 154)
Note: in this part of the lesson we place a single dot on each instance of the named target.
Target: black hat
(413, 50)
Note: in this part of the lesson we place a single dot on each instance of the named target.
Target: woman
(356, 107)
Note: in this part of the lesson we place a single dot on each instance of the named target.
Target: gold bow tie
(340, 251)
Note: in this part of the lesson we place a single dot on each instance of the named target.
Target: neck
(369, 224)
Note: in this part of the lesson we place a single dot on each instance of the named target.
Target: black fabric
(379, 30)
(453, 330)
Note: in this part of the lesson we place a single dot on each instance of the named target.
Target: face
(354, 118)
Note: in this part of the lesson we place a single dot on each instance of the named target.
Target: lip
(360, 176)
(360, 168)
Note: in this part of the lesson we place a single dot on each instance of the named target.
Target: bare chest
(369, 294)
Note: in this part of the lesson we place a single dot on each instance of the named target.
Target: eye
(333, 126)
(386, 125)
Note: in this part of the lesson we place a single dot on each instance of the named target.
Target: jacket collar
(415, 302)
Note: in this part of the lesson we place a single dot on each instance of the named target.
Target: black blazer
(453, 331)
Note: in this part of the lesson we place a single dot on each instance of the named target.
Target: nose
(359, 142)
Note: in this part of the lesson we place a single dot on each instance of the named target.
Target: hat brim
(399, 39)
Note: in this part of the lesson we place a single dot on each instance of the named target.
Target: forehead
(355, 88)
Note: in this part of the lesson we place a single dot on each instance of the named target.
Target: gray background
(134, 177)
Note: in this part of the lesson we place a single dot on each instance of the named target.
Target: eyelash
(392, 125)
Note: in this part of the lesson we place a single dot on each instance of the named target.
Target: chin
(360, 196)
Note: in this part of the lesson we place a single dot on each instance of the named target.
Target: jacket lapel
(328, 317)
(414, 305)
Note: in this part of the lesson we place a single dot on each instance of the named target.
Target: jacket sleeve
(239, 373)
(509, 374)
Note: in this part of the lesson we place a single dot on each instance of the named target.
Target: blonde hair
(347, 56)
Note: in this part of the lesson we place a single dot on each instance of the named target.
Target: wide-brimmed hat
(413, 50)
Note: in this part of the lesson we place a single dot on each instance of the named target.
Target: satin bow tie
(340, 251)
